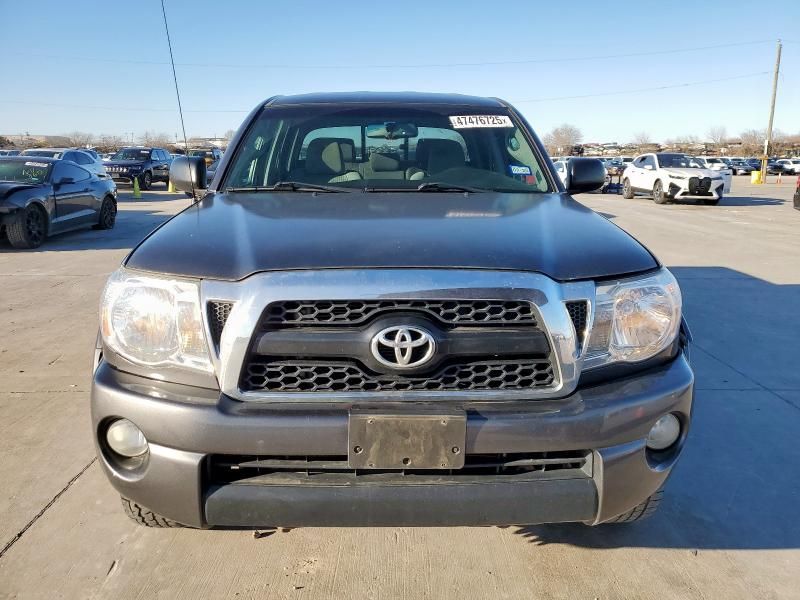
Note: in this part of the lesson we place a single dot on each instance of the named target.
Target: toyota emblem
(403, 347)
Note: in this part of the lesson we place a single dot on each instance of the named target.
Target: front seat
(325, 164)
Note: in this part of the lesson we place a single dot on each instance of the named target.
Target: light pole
(768, 141)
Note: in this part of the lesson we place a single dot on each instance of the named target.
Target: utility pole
(768, 141)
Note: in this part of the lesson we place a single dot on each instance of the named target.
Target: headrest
(443, 154)
(348, 149)
(383, 162)
(324, 157)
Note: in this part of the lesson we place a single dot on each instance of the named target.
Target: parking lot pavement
(728, 528)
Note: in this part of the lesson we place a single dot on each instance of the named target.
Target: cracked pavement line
(746, 376)
(47, 506)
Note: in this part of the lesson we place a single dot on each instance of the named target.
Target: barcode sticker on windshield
(466, 121)
(35, 164)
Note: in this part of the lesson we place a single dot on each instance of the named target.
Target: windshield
(132, 154)
(675, 161)
(28, 171)
(387, 148)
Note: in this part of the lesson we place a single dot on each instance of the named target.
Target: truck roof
(385, 98)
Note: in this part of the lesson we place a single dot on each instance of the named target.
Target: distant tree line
(566, 139)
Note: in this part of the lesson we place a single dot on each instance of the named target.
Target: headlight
(153, 321)
(677, 176)
(634, 320)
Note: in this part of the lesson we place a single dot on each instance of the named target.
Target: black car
(148, 165)
(42, 196)
(740, 166)
(387, 310)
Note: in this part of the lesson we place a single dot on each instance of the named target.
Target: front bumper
(682, 190)
(186, 425)
(123, 177)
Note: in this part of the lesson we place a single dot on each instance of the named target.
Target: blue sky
(100, 66)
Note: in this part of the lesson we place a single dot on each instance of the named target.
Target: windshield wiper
(290, 186)
(438, 186)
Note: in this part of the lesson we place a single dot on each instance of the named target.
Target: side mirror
(585, 175)
(187, 173)
(649, 167)
(64, 181)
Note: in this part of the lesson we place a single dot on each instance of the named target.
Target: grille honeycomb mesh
(218, 313)
(353, 312)
(296, 376)
(579, 314)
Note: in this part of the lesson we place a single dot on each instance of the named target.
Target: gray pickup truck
(387, 310)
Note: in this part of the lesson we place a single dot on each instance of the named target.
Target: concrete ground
(728, 528)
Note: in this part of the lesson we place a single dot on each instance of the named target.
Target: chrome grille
(355, 312)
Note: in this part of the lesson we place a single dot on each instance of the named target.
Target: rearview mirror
(188, 173)
(392, 130)
(585, 175)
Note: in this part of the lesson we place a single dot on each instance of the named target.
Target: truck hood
(692, 172)
(9, 187)
(231, 236)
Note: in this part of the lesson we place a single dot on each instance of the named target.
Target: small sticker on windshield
(520, 170)
(467, 121)
(35, 164)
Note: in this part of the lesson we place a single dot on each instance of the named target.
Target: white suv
(669, 176)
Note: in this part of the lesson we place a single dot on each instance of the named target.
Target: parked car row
(88, 159)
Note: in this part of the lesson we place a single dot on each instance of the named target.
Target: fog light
(664, 433)
(126, 439)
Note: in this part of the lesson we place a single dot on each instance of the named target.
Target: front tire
(108, 214)
(145, 517)
(145, 181)
(29, 229)
(641, 511)
(659, 197)
(627, 190)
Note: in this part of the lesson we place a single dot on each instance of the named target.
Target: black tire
(29, 229)
(108, 214)
(641, 511)
(659, 197)
(145, 181)
(627, 190)
(145, 517)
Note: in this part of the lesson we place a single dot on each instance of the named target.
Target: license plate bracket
(379, 440)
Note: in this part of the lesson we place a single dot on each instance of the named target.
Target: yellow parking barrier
(755, 177)
(137, 193)
(170, 187)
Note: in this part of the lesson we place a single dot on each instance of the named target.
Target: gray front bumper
(184, 425)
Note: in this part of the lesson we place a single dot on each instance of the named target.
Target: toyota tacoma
(387, 310)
